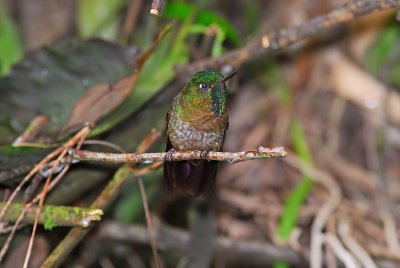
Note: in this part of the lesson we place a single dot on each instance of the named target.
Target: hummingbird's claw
(205, 154)
(168, 156)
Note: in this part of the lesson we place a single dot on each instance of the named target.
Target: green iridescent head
(211, 85)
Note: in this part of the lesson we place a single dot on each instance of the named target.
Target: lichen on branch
(53, 216)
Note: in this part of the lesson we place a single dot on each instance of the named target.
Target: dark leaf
(15, 156)
(50, 81)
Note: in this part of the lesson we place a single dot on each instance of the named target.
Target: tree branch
(53, 216)
(233, 251)
(286, 36)
(232, 157)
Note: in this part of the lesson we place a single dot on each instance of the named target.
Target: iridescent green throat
(219, 98)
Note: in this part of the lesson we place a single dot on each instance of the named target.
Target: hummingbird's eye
(204, 86)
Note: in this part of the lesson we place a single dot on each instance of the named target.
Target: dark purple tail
(196, 177)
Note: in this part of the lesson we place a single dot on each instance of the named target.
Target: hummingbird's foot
(205, 154)
(168, 156)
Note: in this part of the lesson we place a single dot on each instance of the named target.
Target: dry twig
(157, 6)
(32, 130)
(67, 145)
(340, 251)
(76, 139)
(149, 223)
(358, 251)
(232, 157)
(7, 243)
(284, 37)
(131, 17)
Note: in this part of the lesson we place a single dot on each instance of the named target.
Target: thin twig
(76, 139)
(53, 183)
(84, 132)
(131, 18)
(6, 245)
(142, 58)
(149, 224)
(33, 171)
(284, 37)
(8, 229)
(358, 251)
(343, 254)
(232, 157)
(15, 172)
(390, 232)
(116, 147)
(32, 130)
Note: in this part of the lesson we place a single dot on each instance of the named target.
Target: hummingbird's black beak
(228, 77)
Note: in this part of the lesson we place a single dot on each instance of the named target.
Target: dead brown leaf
(98, 102)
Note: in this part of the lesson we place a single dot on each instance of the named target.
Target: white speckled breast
(185, 137)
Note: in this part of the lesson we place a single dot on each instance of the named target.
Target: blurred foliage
(99, 18)
(181, 11)
(130, 204)
(217, 47)
(10, 44)
(288, 220)
(383, 55)
(300, 193)
(281, 264)
(276, 80)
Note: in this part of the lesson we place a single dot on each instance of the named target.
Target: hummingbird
(196, 120)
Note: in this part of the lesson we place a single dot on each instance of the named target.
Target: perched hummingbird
(196, 120)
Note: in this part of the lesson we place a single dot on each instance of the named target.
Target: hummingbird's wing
(196, 177)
